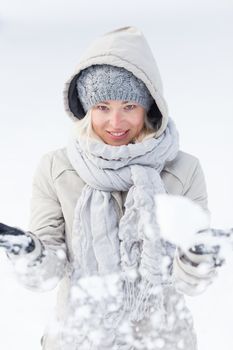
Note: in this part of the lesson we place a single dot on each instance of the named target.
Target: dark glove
(201, 252)
(15, 240)
(195, 269)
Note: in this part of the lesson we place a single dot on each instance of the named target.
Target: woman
(93, 224)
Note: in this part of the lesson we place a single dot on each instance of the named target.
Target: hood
(124, 47)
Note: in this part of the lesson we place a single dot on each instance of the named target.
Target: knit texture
(105, 82)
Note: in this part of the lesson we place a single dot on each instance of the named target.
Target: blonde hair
(83, 128)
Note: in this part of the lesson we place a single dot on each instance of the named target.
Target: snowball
(180, 219)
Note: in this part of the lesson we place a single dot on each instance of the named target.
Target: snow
(180, 219)
(16, 243)
(185, 224)
(40, 45)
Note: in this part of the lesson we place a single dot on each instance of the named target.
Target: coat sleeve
(188, 278)
(195, 186)
(43, 268)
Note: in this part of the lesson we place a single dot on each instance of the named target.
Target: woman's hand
(195, 269)
(202, 254)
(15, 240)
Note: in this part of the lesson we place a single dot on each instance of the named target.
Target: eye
(130, 107)
(102, 108)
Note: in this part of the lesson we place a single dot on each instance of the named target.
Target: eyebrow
(107, 103)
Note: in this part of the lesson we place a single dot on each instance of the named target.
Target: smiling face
(117, 123)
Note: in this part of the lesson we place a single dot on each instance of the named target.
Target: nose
(116, 120)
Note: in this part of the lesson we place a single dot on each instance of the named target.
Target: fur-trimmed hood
(124, 47)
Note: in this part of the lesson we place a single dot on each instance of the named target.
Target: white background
(40, 44)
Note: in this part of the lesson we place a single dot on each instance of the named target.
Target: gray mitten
(195, 269)
(208, 255)
(15, 241)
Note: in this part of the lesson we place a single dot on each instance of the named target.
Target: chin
(118, 143)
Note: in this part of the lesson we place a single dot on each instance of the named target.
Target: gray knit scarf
(102, 243)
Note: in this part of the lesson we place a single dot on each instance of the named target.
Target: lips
(116, 135)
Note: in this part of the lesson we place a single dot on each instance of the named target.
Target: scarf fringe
(142, 298)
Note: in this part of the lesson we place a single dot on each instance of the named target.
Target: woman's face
(117, 122)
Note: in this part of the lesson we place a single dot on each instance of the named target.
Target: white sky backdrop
(40, 45)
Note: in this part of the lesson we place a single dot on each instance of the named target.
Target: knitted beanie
(105, 82)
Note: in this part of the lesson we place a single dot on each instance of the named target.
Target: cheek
(139, 121)
(96, 122)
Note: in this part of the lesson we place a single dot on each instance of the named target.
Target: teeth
(117, 133)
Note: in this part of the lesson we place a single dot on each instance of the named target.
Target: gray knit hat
(105, 82)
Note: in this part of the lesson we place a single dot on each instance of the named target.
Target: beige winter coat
(57, 186)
